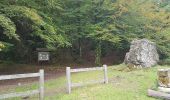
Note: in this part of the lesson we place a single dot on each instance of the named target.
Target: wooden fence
(39, 91)
(69, 71)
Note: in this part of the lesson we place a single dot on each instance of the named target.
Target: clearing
(123, 85)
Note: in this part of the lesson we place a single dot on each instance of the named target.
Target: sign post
(43, 55)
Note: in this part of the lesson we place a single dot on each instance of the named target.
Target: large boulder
(142, 53)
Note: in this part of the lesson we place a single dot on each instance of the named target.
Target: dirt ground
(51, 72)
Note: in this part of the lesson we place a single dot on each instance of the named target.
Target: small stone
(19, 84)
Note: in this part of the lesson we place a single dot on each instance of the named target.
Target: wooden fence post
(105, 74)
(41, 80)
(68, 73)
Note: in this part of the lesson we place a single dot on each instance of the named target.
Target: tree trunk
(80, 49)
(98, 54)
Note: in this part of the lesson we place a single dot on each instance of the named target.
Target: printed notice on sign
(43, 56)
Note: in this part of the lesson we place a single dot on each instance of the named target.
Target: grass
(123, 85)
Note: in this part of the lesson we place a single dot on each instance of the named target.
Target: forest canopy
(83, 28)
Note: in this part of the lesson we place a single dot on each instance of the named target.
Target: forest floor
(123, 84)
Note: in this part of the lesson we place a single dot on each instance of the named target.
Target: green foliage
(5, 47)
(40, 28)
(8, 27)
(30, 24)
(32, 30)
(1, 46)
(9, 30)
(22, 12)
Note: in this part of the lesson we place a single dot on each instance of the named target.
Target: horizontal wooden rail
(40, 91)
(69, 71)
(19, 94)
(158, 94)
(16, 76)
(164, 89)
(86, 69)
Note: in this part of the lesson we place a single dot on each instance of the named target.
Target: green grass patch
(123, 85)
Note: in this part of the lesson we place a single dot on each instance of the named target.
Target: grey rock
(142, 53)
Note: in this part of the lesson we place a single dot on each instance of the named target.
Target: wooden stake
(105, 74)
(68, 73)
(41, 84)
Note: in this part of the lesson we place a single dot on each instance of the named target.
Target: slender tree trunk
(79, 30)
(80, 49)
(98, 54)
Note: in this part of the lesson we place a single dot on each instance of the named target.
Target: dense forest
(81, 31)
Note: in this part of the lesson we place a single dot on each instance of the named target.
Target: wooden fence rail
(69, 71)
(39, 91)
